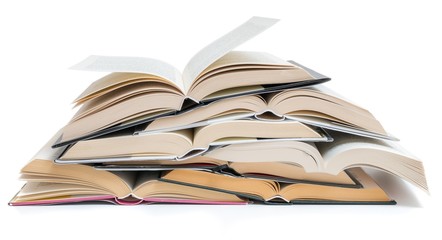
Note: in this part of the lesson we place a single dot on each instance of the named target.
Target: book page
(238, 60)
(42, 190)
(131, 65)
(346, 142)
(76, 174)
(241, 131)
(223, 45)
(350, 151)
(303, 154)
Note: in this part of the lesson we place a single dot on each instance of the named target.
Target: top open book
(140, 89)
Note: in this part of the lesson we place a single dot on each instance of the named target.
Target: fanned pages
(346, 151)
(316, 106)
(186, 143)
(277, 171)
(140, 89)
(194, 68)
(48, 183)
(270, 191)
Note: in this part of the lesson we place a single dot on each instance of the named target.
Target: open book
(317, 106)
(186, 143)
(276, 171)
(270, 191)
(346, 151)
(49, 183)
(140, 89)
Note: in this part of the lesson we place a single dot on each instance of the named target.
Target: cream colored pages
(293, 152)
(131, 65)
(170, 144)
(39, 190)
(237, 60)
(240, 131)
(322, 91)
(350, 151)
(288, 170)
(222, 46)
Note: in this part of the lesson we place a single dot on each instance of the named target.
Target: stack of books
(234, 128)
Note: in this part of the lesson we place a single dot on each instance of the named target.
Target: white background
(384, 55)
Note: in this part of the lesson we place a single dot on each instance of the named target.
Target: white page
(131, 64)
(223, 45)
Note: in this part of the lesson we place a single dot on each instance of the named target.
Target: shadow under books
(398, 189)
